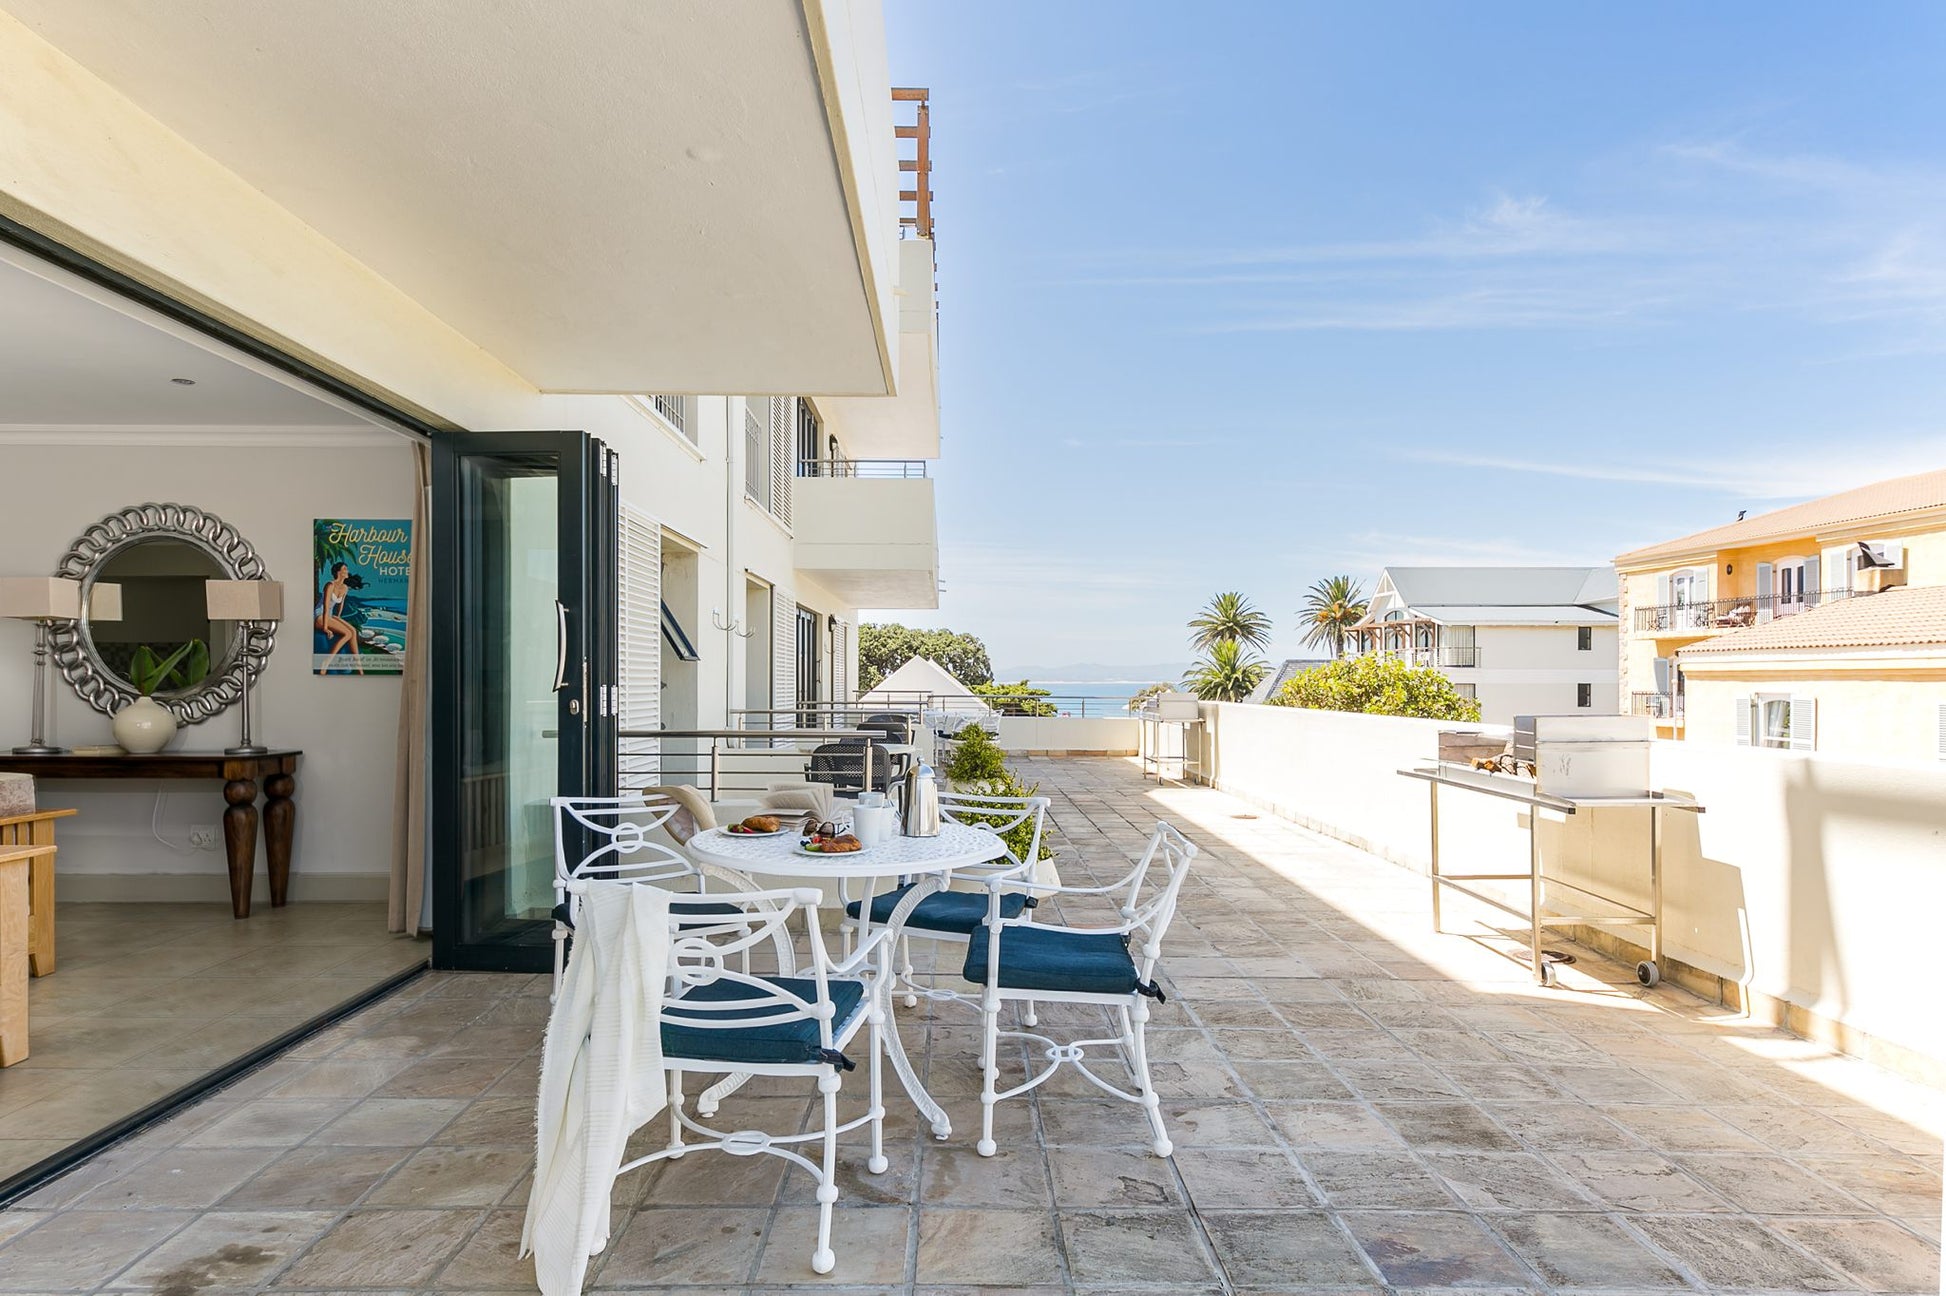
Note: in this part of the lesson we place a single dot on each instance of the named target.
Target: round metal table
(926, 862)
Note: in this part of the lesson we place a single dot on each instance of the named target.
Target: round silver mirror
(163, 644)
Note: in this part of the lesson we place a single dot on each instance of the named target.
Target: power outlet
(203, 837)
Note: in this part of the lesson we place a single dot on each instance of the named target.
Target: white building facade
(1520, 640)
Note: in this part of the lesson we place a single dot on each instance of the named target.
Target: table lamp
(250, 602)
(45, 600)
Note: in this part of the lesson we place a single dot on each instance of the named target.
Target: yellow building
(1750, 573)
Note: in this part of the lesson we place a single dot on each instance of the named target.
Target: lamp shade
(40, 598)
(245, 600)
(104, 602)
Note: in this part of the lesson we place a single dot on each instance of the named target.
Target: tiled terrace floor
(1357, 1106)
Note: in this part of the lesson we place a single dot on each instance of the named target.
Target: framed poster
(363, 569)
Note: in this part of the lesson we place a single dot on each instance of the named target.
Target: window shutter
(1804, 724)
(1942, 731)
(783, 656)
(783, 437)
(841, 665)
(1766, 591)
(1662, 675)
(639, 686)
(756, 456)
(1664, 590)
(1810, 582)
(1742, 705)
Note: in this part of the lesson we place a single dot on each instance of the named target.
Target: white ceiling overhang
(617, 196)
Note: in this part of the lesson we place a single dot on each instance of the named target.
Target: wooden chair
(36, 830)
(16, 862)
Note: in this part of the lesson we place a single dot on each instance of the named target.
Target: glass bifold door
(523, 653)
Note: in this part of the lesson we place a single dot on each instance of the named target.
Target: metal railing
(717, 761)
(1071, 705)
(1707, 616)
(1455, 656)
(672, 408)
(1663, 706)
(878, 469)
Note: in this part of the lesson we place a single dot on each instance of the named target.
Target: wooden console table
(276, 770)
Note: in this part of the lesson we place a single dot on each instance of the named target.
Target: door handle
(560, 645)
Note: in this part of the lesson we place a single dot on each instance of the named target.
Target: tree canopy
(1331, 607)
(1377, 686)
(883, 647)
(1227, 674)
(1229, 618)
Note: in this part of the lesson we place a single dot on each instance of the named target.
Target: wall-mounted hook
(733, 627)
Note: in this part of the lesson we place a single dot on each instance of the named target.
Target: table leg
(13, 960)
(240, 840)
(888, 952)
(40, 903)
(280, 822)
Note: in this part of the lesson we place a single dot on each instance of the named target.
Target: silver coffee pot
(919, 802)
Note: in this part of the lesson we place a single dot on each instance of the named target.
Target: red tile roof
(1886, 499)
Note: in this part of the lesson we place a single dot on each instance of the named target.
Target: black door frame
(588, 566)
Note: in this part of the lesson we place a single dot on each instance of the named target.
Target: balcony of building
(1357, 1104)
(868, 530)
(1698, 618)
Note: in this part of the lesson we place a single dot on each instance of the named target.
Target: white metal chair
(951, 917)
(611, 836)
(720, 1019)
(1113, 966)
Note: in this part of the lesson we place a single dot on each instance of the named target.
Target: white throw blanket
(601, 1076)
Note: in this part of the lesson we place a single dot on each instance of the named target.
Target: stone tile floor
(1358, 1106)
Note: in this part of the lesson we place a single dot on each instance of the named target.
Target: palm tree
(1331, 607)
(1229, 618)
(1227, 674)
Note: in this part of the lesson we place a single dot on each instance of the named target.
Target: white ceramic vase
(144, 726)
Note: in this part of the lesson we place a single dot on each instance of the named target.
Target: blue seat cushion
(685, 909)
(793, 1041)
(945, 911)
(1047, 958)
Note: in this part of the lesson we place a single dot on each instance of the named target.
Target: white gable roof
(920, 680)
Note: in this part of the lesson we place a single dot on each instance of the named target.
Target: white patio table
(926, 862)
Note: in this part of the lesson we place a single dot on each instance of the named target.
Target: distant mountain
(1095, 673)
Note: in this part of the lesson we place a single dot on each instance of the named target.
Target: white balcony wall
(872, 541)
(1811, 886)
(1107, 736)
(905, 426)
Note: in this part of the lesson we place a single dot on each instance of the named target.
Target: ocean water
(1096, 697)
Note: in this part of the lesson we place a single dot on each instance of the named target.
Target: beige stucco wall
(1812, 882)
(1893, 717)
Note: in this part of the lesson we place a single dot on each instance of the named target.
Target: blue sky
(1244, 295)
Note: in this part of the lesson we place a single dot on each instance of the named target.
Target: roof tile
(1897, 618)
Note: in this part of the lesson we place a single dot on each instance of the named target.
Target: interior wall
(346, 725)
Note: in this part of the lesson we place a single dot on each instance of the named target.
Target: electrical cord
(155, 827)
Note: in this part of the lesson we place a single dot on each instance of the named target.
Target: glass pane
(510, 757)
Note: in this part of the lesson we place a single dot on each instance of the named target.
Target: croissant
(761, 823)
(843, 845)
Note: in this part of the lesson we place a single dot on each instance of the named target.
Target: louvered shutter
(639, 686)
(1804, 724)
(841, 670)
(1743, 721)
(1809, 583)
(1942, 731)
(756, 421)
(783, 657)
(1766, 592)
(783, 437)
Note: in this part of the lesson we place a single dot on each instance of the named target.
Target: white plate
(775, 832)
(803, 850)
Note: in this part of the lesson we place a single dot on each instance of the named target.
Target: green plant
(151, 673)
(975, 757)
(978, 766)
(1021, 699)
(1331, 607)
(1227, 674)
(1141, 699)
(1377, 686)
(883, 647)
(1229, 618)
